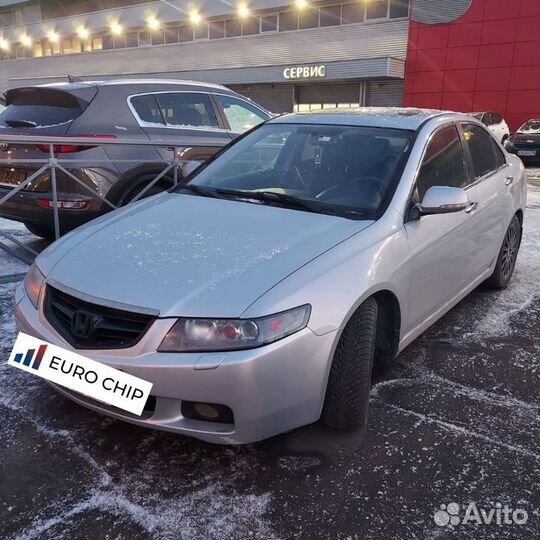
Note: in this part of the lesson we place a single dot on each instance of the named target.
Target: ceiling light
(4, 44)
(153, 23)
(243, 11)
(195, 17)
(53, 36)
(301, 4)
(83, 33)
(116, 28)
(26, 40)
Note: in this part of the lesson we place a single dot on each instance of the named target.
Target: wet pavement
(455, 420)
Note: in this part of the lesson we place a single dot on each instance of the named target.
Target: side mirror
(443, 200)
(187, 167)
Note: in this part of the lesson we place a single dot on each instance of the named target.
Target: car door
(188, 120)
(491, 190)
(441, 246)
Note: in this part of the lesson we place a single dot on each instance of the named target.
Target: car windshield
(341, 170)
(533, 126)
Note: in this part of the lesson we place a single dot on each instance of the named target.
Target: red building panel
(492, 79)
(465, 34)
(495, 55)
(458, 101)
(462, 57)
(494, 9)
(462, 80)
(526, 53)
(503, 31)
(488, 59)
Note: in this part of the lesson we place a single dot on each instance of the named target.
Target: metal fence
(53, 162)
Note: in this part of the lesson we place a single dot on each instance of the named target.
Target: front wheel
(506, 261)
(347, 394)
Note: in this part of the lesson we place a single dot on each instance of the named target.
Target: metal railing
(53, 163)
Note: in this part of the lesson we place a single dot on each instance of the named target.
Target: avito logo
(29, 356)
(449, 515)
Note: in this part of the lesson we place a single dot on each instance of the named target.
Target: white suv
(495, 123)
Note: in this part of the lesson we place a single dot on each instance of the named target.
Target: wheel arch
(389, 323)
(135, 177)
(388, 327)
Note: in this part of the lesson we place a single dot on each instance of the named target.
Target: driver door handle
(508, 180)
(471, 207)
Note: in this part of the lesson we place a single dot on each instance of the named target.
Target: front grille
(89, 326)
(524, 144)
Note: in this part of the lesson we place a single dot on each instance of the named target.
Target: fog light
(207, 412)
(203, 409)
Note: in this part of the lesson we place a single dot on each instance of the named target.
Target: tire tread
(347, 394)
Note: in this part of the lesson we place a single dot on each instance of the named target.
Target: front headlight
(207, 335)
(33, 283)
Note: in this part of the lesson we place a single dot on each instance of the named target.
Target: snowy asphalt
(455, 420)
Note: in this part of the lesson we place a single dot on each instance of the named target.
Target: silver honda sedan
(259, 294)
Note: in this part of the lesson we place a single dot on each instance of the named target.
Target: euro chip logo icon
(27, 359)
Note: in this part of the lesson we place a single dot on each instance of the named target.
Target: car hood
(191, 256)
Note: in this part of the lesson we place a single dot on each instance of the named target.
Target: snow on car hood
(191, 256)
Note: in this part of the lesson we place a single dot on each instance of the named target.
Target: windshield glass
(333, 169)
(532, 126)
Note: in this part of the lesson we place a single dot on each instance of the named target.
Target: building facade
(291, 54)
(482, 56)
(284, 55)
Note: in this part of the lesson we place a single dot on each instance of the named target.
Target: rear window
(40, 108)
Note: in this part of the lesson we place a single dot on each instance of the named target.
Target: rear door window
(482, 149)
(187, 110)
(444, 163)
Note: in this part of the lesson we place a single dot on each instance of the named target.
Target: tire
(42, 231)
(347, 394)
(160, 187)
(506, 261)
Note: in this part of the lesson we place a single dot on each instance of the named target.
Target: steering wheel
(348, 185)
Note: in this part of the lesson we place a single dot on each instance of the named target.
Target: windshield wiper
(199, 190)
(273, 197)
(291, 201)
(282, 199)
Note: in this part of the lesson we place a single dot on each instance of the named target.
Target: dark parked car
(197, 118)
(525, 142)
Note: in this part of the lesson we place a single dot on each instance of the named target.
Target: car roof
(392, 117)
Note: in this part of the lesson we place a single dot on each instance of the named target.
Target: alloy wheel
(510, 250)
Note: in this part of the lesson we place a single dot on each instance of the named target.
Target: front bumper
(270, 390)
(516, 150)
